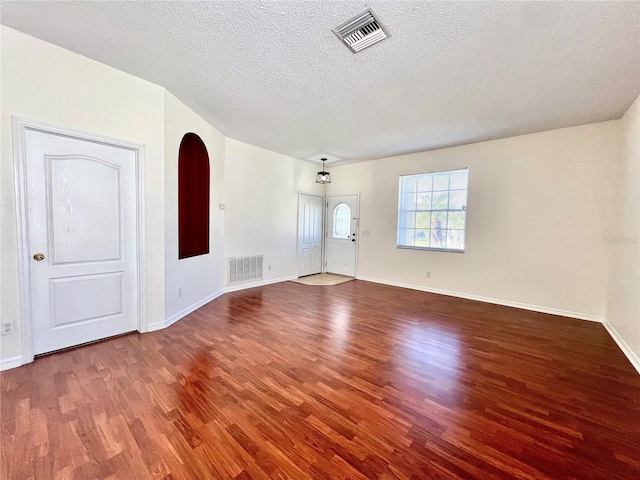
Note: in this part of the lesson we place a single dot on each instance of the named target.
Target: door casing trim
(19, 127)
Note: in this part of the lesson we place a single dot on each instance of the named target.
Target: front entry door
(82, 217)
(309, 234)
(342, 224)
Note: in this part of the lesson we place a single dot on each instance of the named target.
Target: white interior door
(309, 234)
(82, 217)
(342, 224)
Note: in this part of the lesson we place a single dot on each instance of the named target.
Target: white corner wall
(538, 210)
(46, 83)
(623, 241)
(199, 278)
(261, 215)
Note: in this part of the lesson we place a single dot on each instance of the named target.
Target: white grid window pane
(441, 181)
(457, 199)
(440, 200)
(432, 210)
(408, 201)
(422, 237)
(408, 220)
(456, 220)
(423, 220)
(406, 236)
(409, 184)
(458, 180)
(424, 200)
(425, 182)
(455, 239)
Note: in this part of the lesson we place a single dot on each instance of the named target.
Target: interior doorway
(310, 208)
(79, 236)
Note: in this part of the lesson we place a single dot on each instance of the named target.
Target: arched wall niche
(193, 197)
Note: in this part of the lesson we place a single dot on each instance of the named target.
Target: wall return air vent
(245, 269)
(361, 31)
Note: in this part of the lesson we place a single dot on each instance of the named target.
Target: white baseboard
(152, 327)
(17, 361)
(630, 354)
(506, 303)
(626, 349)
(261, 283)
(183, 313)
(12, 362)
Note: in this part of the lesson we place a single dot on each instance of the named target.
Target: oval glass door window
(341, 221)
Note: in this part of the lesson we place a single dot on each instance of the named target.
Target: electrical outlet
(269, 268)
(7, 328)
(179, 292)
(428, 274)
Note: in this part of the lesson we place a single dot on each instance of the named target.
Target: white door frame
(19, 127)
(326, 232)
(323, 239)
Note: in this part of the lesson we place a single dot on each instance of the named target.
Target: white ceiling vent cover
(361, 31)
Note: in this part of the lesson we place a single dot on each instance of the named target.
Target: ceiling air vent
(361, 31)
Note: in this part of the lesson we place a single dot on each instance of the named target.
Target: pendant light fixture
(323, 177)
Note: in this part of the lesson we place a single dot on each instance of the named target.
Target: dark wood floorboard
(355, 381)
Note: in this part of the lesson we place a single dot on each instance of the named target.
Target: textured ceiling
(271, 73)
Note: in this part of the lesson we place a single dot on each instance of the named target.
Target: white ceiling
(272, 73)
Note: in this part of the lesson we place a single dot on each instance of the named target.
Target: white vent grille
(245, 269)
(361, 31)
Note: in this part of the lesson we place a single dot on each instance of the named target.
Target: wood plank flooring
(356, 381)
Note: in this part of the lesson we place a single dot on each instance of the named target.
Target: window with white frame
(432, 210)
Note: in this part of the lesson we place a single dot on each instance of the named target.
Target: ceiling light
(323, 177)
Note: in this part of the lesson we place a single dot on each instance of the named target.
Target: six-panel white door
(309, 234)
(341, 229)
(82, 217)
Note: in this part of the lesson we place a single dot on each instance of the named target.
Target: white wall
(49, 84)
(261, 195)
(201, 277)
(540, 205)
(538, 208)
(623, 309)
(46, 83)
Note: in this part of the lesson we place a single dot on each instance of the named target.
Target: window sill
(429, 249)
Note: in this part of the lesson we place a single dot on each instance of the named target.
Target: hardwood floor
(351, 381)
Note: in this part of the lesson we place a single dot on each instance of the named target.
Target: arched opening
(341, 221)
(193, 197)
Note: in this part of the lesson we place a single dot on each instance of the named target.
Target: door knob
(38, 257)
